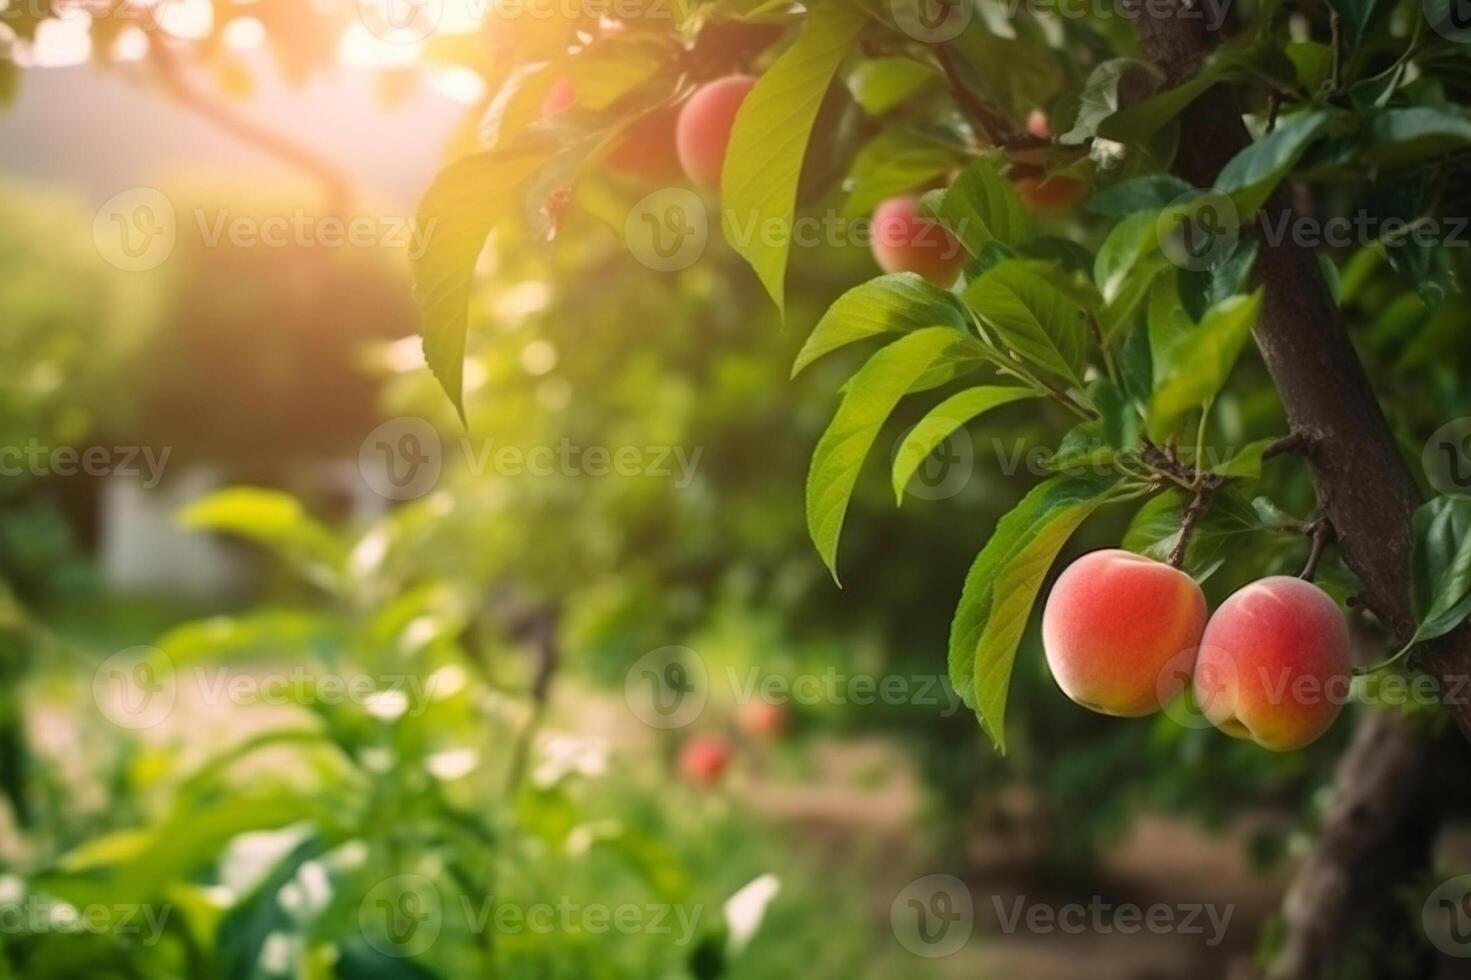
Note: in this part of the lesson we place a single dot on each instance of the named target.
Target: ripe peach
(1112, 626)
(1274, 664)
(763, 719)
(903, 241)
(645, 150)
(560, 96)
(1050, 195)
(704, 128)
(1038, 125)
(704, 759)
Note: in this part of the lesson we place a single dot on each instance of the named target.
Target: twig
(995, 128)
(170, 75)
(1297, 442)
(1199, 504)
(1108, 365)
(1335, 77)
(543, 636)
(1321, 532)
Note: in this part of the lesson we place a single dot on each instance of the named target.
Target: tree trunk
(1389, 788)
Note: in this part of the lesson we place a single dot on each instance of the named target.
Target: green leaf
(898, 303)
(1441, 580)
(871, 396)
(951, 414)
(1140, 194)
(1002, 587)
(894, 162)
(1313, 62)
(881, 84)
(1400, 137)
(1245, 462)
(1108, 88)
(1032, 317)
(1194, 371)
(1155, 528)
(274, 520)
(763, 164)
(981, 207)
(1132, 241)
(465, 203)
(1253, 174)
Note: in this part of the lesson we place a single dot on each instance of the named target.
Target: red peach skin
(1052, 195)
(703, 134)
(903, 241)
(1116, 629)
(1274, 664)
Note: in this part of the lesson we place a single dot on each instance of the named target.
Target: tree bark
(1389, 789)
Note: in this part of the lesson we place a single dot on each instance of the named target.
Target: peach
(704, 759)
(645, 150)
(560, 96)
(703, 133)
(1038, 125)
(1115, 626)
(1274, 664)
(1050, 195)
(763, 719)
(903, 241)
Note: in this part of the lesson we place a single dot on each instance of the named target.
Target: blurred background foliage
(512, 608)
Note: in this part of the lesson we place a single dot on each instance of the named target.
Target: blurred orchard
(449, 466)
